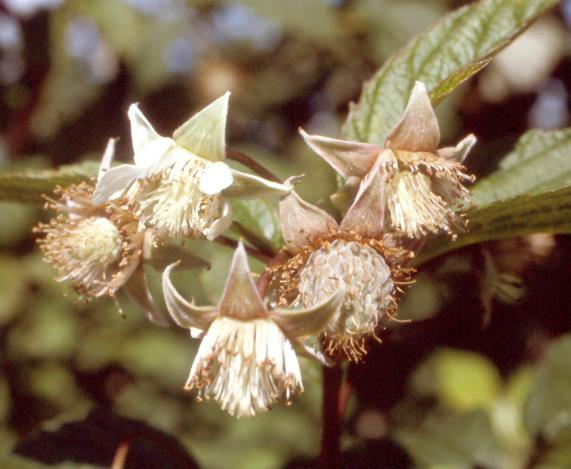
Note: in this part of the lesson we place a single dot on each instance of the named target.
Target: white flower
(247, 358)
(178, 186)
(99, 249)
(422, 184)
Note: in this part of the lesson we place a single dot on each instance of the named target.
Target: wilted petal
(366, 215)
(418, 128)
(241, 299)
(346, 157)
(107, 158)
(142, 133)
(137, 288)
(222, 224)
(302, 222)
(114, 181)
(309, 321)
(247, 185)
(247, 366)
(204, 134)
(215, 178)
(185, 314)
(460, 151)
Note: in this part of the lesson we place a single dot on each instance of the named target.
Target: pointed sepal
(460, 151)
(241, 299)
(246, 185)
(107, 158)
(311, 321)
(346, 157)
(160, 256)
(204, 134)
(144, 137)
(184, 313)
(137, 288)
(418, 128)
(366, 215)
(301, 222)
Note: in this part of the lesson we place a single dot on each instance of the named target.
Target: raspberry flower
(354, 256)
(178, 186)
(98, 248)
(247, 358)
(424, 183)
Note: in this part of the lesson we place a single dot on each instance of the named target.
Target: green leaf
(451, 52)
(461, 441)
(461, 380)
(260, 218)
(28, 186)
(546, 212)
(547, 408)
(540, 161)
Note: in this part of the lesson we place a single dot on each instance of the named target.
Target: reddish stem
(224, 241)
(333, 406)
(247, 161)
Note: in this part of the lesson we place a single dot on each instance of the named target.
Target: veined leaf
(540, 161)
(28, 186)
(547, 212)
(443, 57)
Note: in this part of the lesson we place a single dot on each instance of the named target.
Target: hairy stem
(249, 162)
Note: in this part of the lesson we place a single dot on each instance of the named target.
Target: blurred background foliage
(482, 376)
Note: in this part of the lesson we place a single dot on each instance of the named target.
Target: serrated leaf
(443, 57)
(547, 410)
(546, 212)
(28, 186)
(540, 161)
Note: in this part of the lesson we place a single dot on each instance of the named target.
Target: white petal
(222, 224)
(114, 181)
(154, 152)
(215, 178)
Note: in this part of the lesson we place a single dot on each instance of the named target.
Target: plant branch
(225, 241)
(262, 244)
(249, 162)
(333, 406)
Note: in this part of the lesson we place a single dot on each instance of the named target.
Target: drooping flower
(425, 183)
(178, 186)
(98, 248)
(355, 256)
(247, 358)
